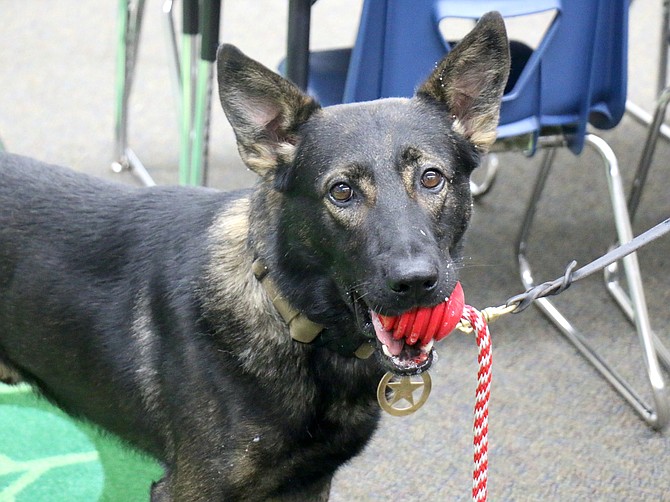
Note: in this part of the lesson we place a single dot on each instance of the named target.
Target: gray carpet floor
(558, 431)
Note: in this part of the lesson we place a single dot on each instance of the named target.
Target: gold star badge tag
(396, 394)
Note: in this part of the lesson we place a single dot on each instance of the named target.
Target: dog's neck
(301, 328)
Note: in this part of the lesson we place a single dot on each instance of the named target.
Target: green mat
(47, 457)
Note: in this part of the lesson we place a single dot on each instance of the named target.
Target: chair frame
(656, 414)
(632, 302)
(129, 18)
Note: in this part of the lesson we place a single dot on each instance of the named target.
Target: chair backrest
(575, 75)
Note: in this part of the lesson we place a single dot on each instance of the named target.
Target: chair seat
(327, 75)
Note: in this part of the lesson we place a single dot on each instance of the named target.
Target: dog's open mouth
(399, 355)
(406, 341)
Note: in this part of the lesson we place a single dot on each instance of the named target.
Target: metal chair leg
(173, 51)
(128, 34)
(189, 55)
(636, 111)
(209, 33)
(129, 24)
(201, 124)
(648, 151)
(657, 415)
(645, 118)
(297, 57)
(489, 169)
(612, 273)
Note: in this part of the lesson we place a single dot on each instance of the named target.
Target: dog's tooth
(386, 351)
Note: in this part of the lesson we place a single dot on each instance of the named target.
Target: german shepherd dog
(165, 315)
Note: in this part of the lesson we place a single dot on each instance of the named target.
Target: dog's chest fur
(305, 410)
(245, 322)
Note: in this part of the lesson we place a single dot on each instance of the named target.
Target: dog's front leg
(190, 481)
(316, 492)
(160, 491)
(170, 489)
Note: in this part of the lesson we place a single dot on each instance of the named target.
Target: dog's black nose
(413, 279)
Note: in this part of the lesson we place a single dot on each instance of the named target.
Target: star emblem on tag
(396, 394)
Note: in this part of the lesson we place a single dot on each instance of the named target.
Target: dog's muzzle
(407, 340)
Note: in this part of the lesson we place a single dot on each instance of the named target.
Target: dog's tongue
(422, 324)
(386, 336)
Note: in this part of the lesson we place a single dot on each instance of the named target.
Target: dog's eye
(432, 179)
(341, 192)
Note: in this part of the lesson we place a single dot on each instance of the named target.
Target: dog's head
(374, 196)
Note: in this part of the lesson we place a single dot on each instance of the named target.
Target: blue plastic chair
(574, 77)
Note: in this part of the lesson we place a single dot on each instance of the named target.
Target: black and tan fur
(137, 309)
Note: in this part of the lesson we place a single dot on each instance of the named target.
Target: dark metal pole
(297, 57)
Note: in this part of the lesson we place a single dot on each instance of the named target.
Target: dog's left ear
(471, 79)
(264, 109)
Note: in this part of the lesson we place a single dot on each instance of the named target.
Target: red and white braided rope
(481, 420)
(436, 323)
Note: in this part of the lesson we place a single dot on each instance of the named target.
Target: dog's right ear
(264, 109)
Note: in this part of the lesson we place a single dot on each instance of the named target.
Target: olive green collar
(300, 327)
